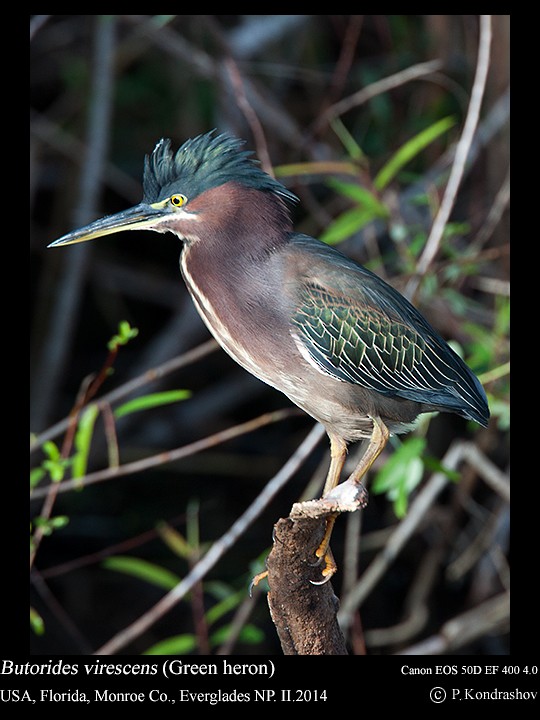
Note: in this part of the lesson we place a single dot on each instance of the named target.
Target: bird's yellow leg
(377, 443)
(256, 580)
(338, 454)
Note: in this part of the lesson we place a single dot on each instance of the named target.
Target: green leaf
(174, 540)
(417, 244)
(36, 622)
(409, 150)
(249, 634)
(401, 473)
(502, 318)
(435, 465)
(51, 450)
(224, 606)
(83, 440)
(500, 409)
(218, 589)
(192, 525)
(125, 334)
(54, 464)
(47, 525)
(369, 208)
(150, 401)
(347, 224)
(175, 645)
(142, 569)
(349, 143)
(415, 470)
(58, 522)
(36, 475)
(496, 373)
(359, 194)
(56, 469)
(456, 229)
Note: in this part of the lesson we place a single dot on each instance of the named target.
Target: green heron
(340, 342)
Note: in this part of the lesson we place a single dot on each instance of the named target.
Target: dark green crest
(204, 162)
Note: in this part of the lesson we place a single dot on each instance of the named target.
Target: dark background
(104, 89)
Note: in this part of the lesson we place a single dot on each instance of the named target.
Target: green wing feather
(358, 343)
(360, 330)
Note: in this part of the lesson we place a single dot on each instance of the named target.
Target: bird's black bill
(140, 217)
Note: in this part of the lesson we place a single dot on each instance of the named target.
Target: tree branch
(304, 613)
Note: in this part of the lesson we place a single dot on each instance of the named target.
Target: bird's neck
(226, 270)
(240, 224)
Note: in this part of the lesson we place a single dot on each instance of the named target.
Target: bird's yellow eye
(178, 200)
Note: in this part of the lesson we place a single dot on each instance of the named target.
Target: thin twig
(167, 456)
(250, 115)
(414, 72)
(496, 211)
(498, 481)
(399, 537)
(346, 56)
(147, 377)
(462, 151)
(37, 22)
(461, 630)
(218, 549)
(484, 542)
(57, 611)
(120, 548)
(239, 621)
(416, 609)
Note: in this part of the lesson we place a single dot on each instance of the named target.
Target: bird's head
(188, 191)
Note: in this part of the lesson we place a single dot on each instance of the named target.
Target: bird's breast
(243, 315)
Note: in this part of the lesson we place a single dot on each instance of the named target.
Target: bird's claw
(329, 569)
(256, 580)
(320, 557)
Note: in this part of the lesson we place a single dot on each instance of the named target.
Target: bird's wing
(355, 327)
(361, 344)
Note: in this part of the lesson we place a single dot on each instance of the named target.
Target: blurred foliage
(370, 178)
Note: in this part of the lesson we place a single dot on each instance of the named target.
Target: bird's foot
(323, 552)
(330, 567)
(256, 580)
(347, 497)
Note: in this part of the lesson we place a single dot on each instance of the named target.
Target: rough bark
(305, 614)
